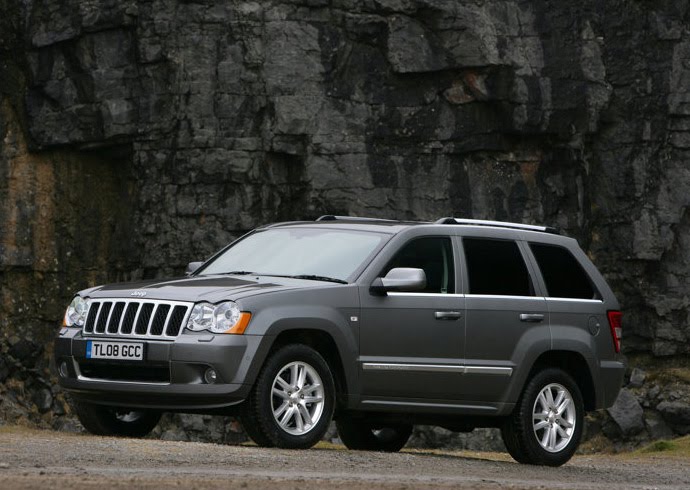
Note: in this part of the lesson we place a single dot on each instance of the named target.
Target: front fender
(288, 312)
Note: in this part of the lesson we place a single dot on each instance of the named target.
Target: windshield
(328, 253)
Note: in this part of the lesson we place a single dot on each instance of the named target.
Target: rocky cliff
(136, 136)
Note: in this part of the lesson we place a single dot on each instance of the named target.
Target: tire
(252, 429)
(107, 421)
(292, 401)
(545, 429)
(358, 435)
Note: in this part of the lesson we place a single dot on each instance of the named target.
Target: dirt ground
(46, 459)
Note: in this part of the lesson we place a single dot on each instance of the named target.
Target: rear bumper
(609, 382)
(179, 366)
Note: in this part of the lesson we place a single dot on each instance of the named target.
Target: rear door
(506, 313)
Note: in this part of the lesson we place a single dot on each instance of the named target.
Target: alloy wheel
(554, 417)
(297, 398)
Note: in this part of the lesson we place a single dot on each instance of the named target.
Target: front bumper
(171, 376)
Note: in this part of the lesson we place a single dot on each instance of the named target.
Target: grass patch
(597, 445)
(675, 374)
(662, 369)
(330, 446)
(659, 446)
(18, 428)
(677, 448)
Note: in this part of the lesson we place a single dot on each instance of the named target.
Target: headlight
(75, 316)
(224, 317)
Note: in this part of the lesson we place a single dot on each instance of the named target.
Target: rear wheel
(546, 426)
(292, 402)
(359, 435)
(108, 421)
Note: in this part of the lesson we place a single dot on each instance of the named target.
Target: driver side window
(434, 255)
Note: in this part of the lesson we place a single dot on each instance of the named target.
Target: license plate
(130, 351)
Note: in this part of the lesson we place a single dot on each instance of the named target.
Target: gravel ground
(45, 459)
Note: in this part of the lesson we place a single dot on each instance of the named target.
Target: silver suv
(379, 324)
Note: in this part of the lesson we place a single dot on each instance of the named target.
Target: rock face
(136, 136)
(627, 413)
(676, 414)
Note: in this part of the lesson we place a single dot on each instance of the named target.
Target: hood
(202, 288)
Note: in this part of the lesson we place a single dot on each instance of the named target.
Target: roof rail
(283, 223)
(331, 217)
(499, 224)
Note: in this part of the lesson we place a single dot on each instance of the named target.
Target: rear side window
(496, 267)
(562, 273)
(432, 254)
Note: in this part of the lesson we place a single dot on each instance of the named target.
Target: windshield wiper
(318, 278)
(312, 277)
(239, 273)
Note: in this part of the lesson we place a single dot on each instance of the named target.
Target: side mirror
(399, 279)
(191, 267)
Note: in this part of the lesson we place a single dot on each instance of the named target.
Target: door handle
(531, 317)
(447, 315)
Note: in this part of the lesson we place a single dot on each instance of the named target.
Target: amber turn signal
(241, 324)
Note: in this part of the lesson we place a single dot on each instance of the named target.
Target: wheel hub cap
(128, 416)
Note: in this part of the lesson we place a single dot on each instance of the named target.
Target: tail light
(616, 324)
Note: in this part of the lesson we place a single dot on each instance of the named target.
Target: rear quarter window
(562, 273)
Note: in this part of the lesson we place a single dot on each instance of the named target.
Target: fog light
(210, 376)
(63, 369)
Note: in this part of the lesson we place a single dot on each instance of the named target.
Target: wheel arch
(324, 343)
(573, 363)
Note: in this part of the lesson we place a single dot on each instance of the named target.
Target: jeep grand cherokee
(378, 324)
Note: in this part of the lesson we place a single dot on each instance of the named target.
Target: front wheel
(292, 401)
(546, 426)
(108, 421)
(359, 435)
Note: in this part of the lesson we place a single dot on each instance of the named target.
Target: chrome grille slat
(106, 307)
(110, 314)
(174, 324)
(115, 317)
(163, 327)
(91, 317)
(125, 323)
(142, 326)
(153, 315)
(122, 318)
(99, 306)
(136, 319)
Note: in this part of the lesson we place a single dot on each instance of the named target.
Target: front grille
(136, 318)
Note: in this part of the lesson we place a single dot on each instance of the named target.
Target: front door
(411, 344)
